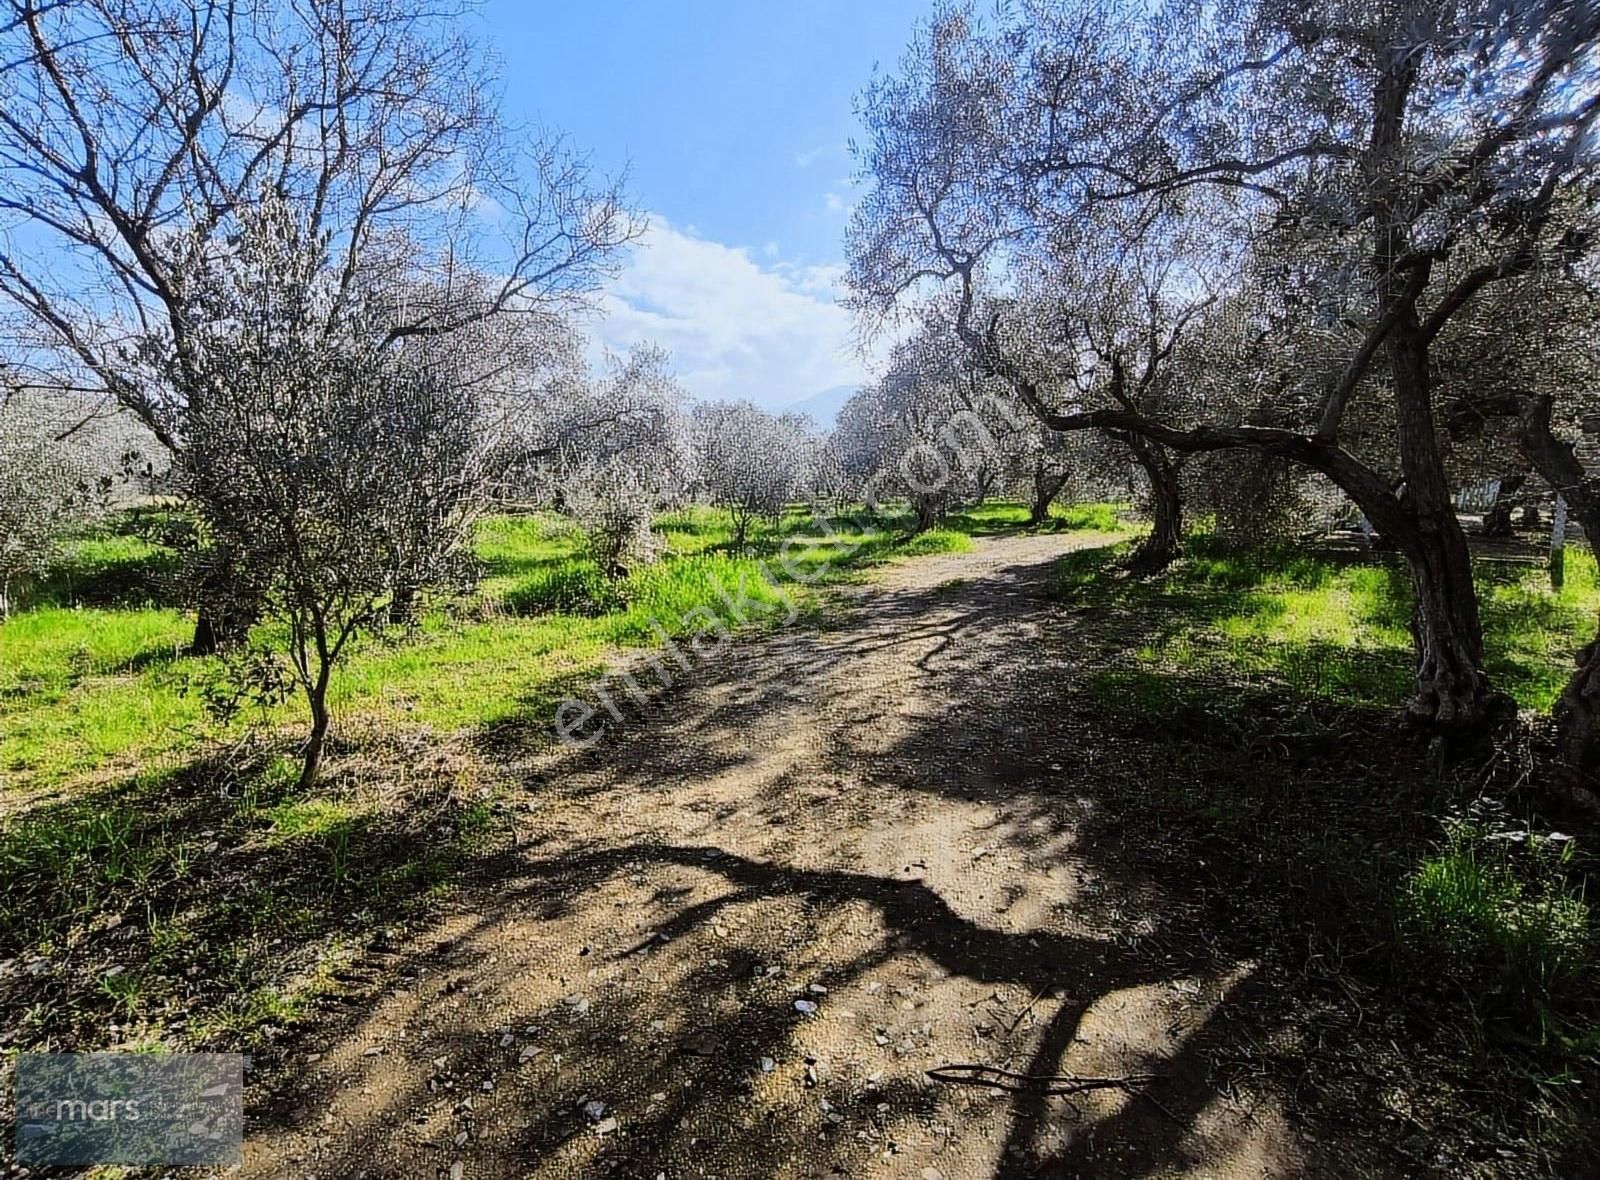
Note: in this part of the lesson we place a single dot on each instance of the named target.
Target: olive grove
(1362, 176)
(936, 431)
(135, 138)
(43, 490)
(300, 247)
(617, 449)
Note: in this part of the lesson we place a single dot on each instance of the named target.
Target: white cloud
(735, 328)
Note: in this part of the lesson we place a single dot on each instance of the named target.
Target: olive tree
(931, 429)
(617, 450)
(1541, 386)
(750, 462)
(827, 483)
(337, 469)
(1411, 156)
(1112, 308)
(44, 490)
(127, 128)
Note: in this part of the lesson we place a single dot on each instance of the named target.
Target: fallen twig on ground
(968, 1074)
(971, 1074)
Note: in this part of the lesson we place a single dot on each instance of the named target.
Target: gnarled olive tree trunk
(1452, 691)
(1452, 688)
(1165, 542)
(1577, 710)
(929, 508)
(1047, 486)
(1497, 520)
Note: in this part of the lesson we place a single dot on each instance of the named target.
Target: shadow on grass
(1239, 822)
(112, 576)
(210, 905)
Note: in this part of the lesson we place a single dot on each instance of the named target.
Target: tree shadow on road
(1221, 853)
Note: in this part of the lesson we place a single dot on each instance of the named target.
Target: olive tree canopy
(127, 129)
(750, 462)
(1385, 166)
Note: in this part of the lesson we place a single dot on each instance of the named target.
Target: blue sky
(733, 120)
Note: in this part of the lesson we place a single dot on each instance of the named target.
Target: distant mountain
(823, 408)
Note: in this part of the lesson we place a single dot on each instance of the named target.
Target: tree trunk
(1497, 521)
(1165, 541)
(317, 696)
(929, 508)
(226, 614)
(1452, 690)
(403, 605)
(1046, 487)
(1558, 544)
(1577, 712)
(215, 627)
(205, 641)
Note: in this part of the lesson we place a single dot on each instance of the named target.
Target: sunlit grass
(1532, 631)
(1001, 516)
(78, 687)
(85, 688)
(1335, 626)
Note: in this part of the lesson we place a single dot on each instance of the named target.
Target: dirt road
(739, 931)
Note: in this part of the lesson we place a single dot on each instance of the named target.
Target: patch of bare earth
(738, 932)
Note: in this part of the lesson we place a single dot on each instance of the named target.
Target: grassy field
(129, 816)
(93, 678)
(1257, 695)
(162, 883)
(1330, 625)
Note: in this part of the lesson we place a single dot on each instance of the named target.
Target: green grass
(225, 898)
(1501, 922)
(1002, 517)
(88, 689)
(104, 689)
(1333, 626)
(123, 564)
(1464, 963)
(1255, 694)
(79, 688)
(214, 913)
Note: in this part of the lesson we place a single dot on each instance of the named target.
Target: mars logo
(99, 1111)
(129, 1108)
